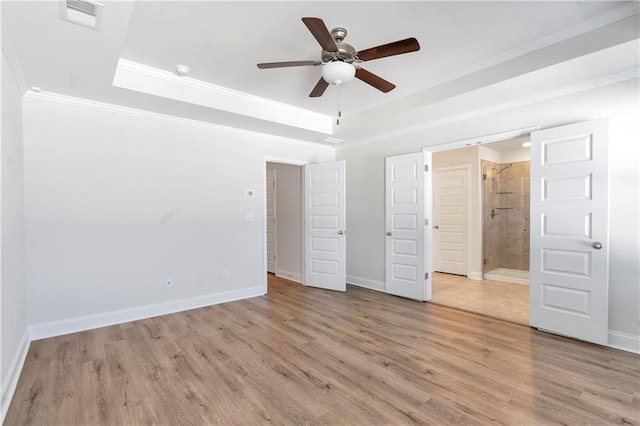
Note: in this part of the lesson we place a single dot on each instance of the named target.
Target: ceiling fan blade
(373, 80)
(390, 49)
(319, 88)
(266, 65)
(321, 33)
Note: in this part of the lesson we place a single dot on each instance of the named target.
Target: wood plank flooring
(308, 356)
(496, 299)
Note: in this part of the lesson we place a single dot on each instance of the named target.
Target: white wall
(365, 203)
(12, 250)
(115, 203)
(289, 242)
(462, 157)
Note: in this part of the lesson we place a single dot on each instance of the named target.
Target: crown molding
(610, 17)
(504, 106)
(143, 78)
(133, 112)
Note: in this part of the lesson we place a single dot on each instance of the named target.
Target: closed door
(405, 216)
(271, 221)
(325, 218)
(450, 189)
(569, 231)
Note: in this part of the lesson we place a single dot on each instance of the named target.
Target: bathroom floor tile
(492, 298)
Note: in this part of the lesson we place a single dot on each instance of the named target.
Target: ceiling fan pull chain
(338, 105)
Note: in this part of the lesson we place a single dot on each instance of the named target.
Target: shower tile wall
(506, 235)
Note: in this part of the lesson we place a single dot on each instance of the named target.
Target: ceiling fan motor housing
(345, 53)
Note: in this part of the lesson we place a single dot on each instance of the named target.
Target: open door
(406, 226)
(325, 218)
(569, 231)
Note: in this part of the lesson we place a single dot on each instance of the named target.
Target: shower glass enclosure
(506, 201)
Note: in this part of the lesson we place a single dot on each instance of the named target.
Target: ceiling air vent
(82, 12)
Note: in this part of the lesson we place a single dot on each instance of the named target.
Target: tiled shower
(506, 201)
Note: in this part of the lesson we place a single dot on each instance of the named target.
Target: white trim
(609, 17)
(293, 162)
(133, 112)
(366, 283)
(496, 108)
(624, 341)
(475, 275)
(482, 140)
(146, 79)
(17, 364)
(275, 224)
(291, 276)
(507, 275)
(104, 319)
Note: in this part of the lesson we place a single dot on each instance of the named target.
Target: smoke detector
(82, 12)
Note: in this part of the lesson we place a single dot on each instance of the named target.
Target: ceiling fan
(341, 60)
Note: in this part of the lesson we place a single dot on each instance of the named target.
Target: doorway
(305, 211)
(283, 219)
(494, 281)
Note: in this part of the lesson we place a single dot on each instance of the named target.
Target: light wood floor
(309, 356)
(496, 299)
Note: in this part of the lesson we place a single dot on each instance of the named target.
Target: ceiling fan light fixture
(338, 72)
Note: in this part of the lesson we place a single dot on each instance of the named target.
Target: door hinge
(426, 221)
(426, 167)
(426, 275)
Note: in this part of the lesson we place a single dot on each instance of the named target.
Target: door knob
(597, 245)
(436, 226)
(340, 232)
(389, 233)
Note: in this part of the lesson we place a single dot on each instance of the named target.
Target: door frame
(275, 215)
(476, 141)
(291, 162)
(467, 169)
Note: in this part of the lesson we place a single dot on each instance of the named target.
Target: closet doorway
(284, 210)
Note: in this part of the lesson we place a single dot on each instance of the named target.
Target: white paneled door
(450, 220)
(405, 215)
(569, 231)
(271, 221)
(325, 218)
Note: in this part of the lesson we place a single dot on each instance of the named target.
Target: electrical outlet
(168, 283)
(225, 273)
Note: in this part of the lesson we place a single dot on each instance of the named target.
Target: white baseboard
(9, 386)
(475, 275)
(624, 341)
(366, 283)
(104, 319)
(289, 275)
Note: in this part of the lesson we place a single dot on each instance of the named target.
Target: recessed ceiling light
(182, 70)
(526, 144)
(36, 89)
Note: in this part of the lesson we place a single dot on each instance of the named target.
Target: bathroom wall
(506, 234)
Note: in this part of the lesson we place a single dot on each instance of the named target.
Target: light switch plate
(251, 217)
